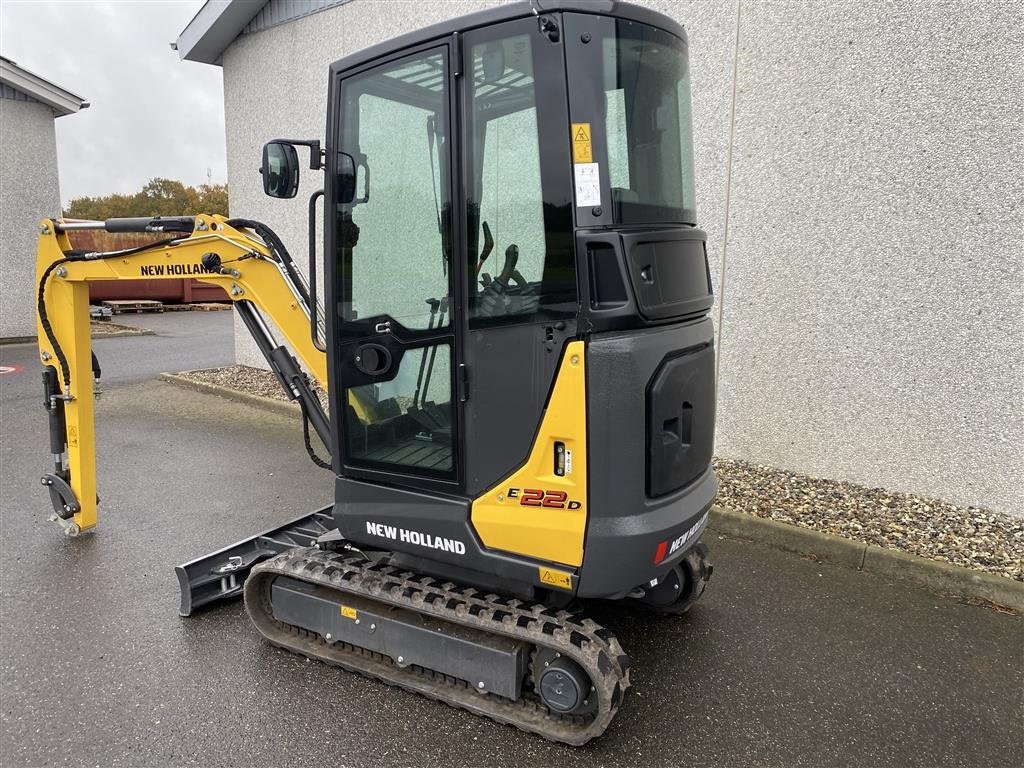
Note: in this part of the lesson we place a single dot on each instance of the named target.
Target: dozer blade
(221, 574)
(480, 652)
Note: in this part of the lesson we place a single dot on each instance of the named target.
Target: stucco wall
(28, 192)
(873, 324)
(872, 298)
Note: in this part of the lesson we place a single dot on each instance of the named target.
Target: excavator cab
(516, 343)
(513, 222)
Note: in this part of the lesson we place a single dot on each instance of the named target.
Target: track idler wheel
(562, 684)
(682, 586)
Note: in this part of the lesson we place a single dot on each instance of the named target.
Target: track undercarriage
(551, 673)
(543, 669)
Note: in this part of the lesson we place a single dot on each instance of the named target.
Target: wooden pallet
(123, 306)
(210, 306)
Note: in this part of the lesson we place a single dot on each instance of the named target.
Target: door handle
(372, 359)
(366, 182)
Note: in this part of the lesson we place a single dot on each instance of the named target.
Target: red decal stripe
(660, 554)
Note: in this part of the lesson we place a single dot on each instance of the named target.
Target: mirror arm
(315, 153)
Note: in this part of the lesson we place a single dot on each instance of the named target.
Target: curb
(14, 340)
(123, 334)
(889, 563)
(283, 407)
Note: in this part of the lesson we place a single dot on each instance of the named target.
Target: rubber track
(581, 639)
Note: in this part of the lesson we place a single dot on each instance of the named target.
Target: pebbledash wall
(28, 185)
(859, 172)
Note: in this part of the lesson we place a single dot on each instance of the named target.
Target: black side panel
(669, 273)
(642, 277)
(625, 526)
(680, 419)
(511, 372)
(607, 288)
(432, 528)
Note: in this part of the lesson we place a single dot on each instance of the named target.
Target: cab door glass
(406, 422)
(396, 128)
(520, 260)
(511, 203)
(394, 267)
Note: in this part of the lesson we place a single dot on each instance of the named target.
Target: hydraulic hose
(277, 247)
(44, 320)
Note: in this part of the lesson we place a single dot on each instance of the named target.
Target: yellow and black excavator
(507, 439)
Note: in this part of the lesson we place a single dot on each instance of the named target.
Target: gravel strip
(255, 381)
(969, 537)
(109, 328)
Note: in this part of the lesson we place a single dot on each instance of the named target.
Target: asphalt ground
(785, 662)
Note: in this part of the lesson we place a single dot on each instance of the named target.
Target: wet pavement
(785, 662)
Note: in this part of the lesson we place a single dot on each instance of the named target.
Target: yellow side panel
(534, 512)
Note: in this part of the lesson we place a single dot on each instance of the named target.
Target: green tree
(159, 197)
(213, 198)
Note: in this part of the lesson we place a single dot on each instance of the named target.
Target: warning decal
(554, 578)
(581, 148)
(348, 613)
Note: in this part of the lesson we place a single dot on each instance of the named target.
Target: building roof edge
(61, 100)
(214, 28)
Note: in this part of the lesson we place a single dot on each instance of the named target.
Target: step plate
(490, 663)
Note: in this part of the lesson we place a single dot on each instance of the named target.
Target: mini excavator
(509, 436)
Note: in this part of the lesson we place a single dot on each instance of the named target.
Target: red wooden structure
(183, 291)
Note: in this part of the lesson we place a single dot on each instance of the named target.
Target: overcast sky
(151, 115)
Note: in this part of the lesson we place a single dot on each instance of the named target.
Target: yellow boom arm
(214, 252)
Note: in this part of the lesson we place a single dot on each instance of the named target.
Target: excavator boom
(243, 257)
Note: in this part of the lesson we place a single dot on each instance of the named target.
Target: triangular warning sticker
(581, 134)
(556, 578)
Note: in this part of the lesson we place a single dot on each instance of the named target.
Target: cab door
(521, 288)
(396, 363)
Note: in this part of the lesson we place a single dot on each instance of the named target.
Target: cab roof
(219, 22)
(509, 12)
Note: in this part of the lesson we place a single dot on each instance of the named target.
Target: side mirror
(280, 169)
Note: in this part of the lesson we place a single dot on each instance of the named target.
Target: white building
(859, 176)
(29, 189)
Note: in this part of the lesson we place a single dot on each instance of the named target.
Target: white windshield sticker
(588, 184)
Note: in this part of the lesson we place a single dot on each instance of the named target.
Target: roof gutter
(63, 102)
